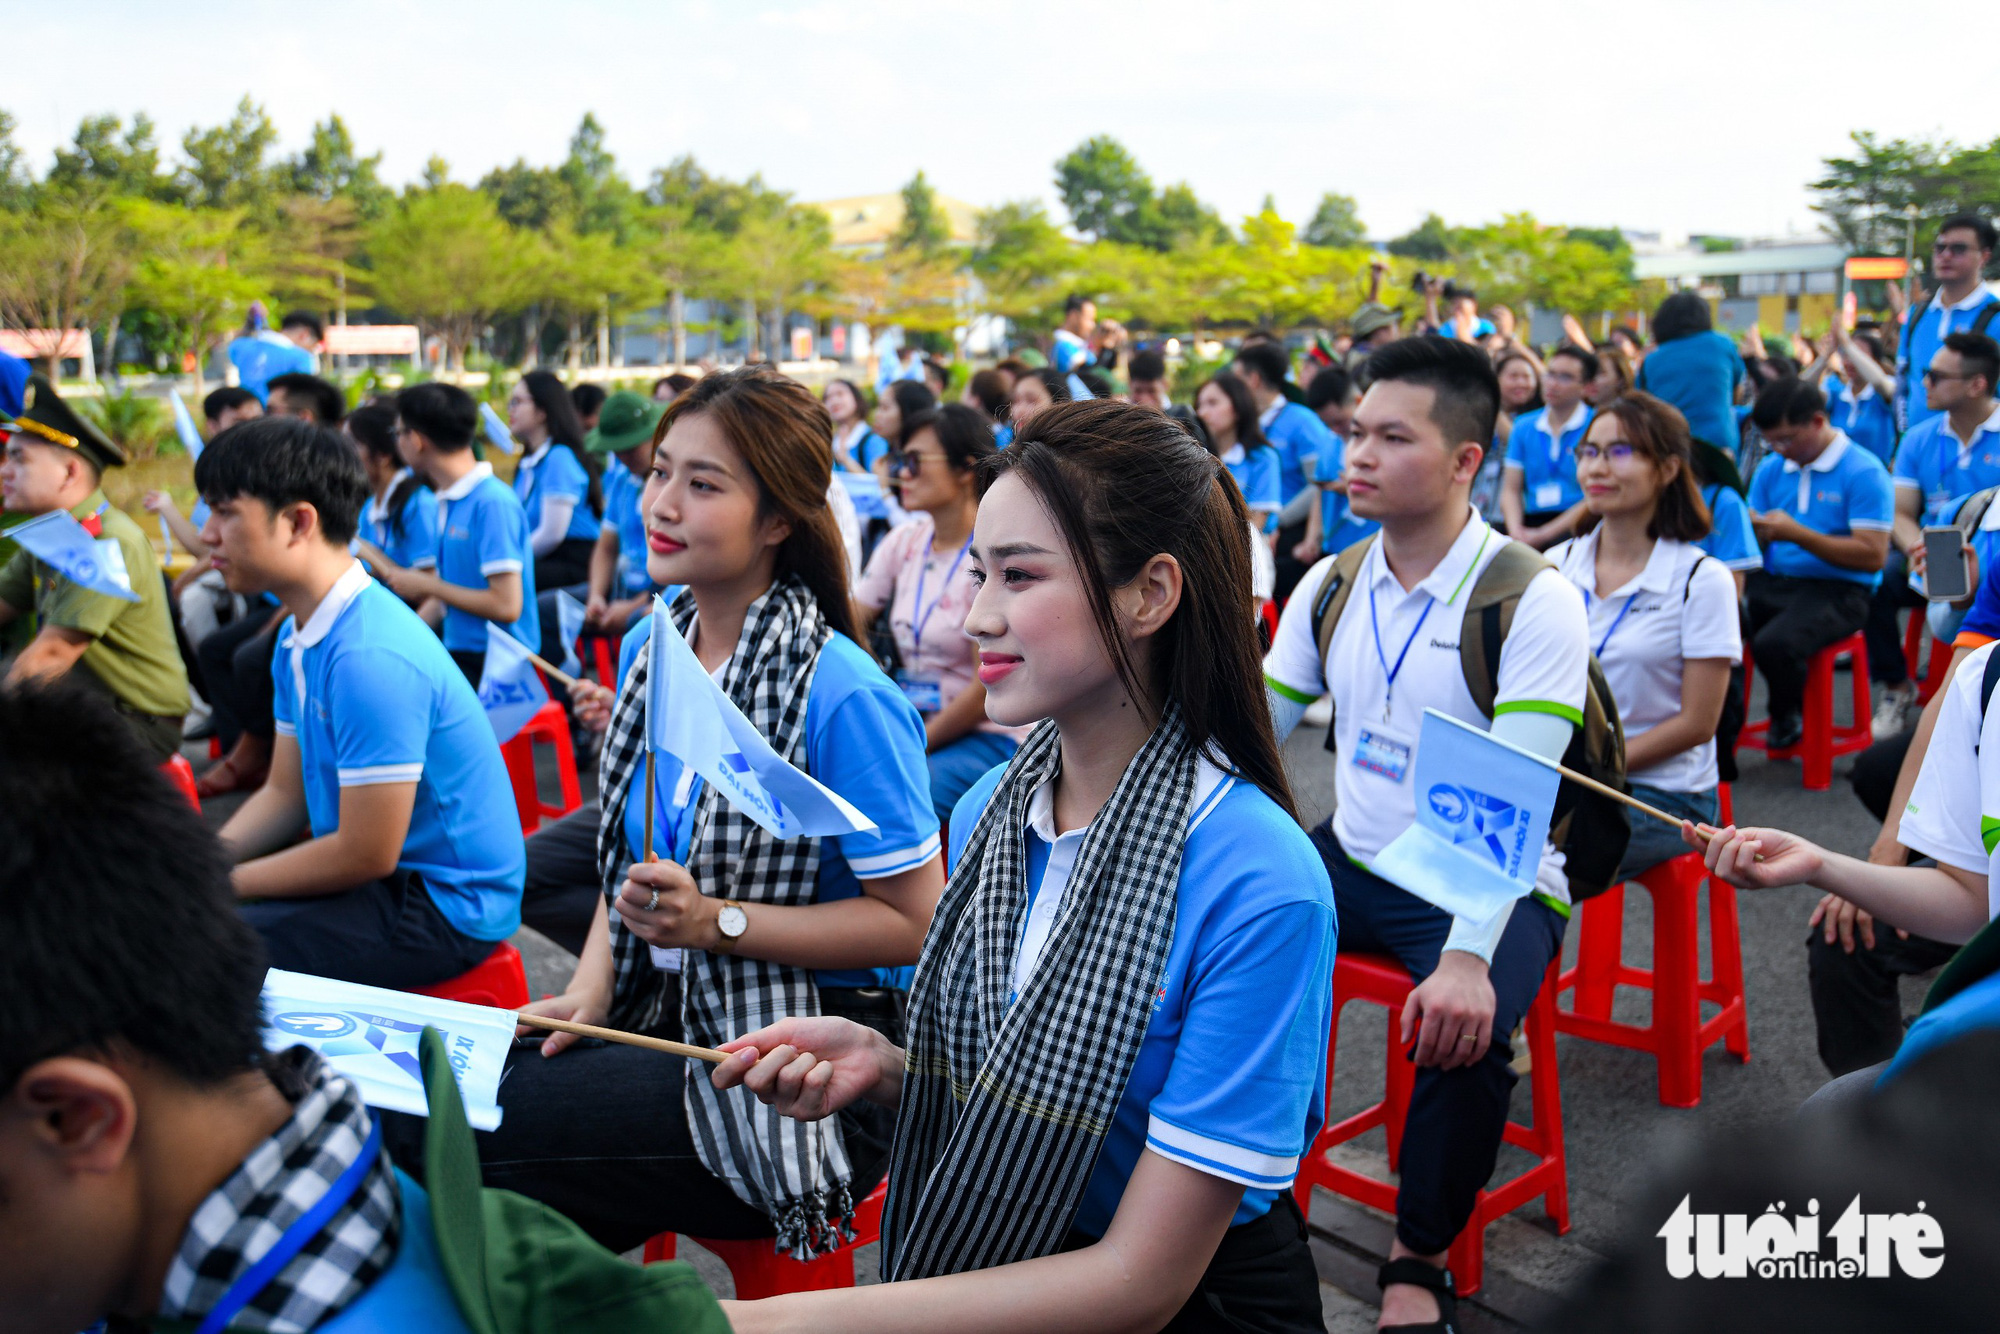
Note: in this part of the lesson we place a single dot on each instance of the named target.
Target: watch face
(731, 921)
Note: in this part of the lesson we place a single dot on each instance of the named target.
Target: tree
(67, 263)
(1336, 223)
(1429, 239)
(107, 156)
(330, 168)
(924, 227)
(444, 256)
(1023, 261)
(1521, 261)
(686, 256)
(1103, 187)
(199, 272)
(16, 183)
(602, 200)
(1179, 218)
(1864, 198)
(225, 165)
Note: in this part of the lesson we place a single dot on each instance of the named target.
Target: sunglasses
(1951, 248)
(907, 463)
(1945, 375)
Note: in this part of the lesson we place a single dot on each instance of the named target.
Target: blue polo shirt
(1845, 490)
(408, 537)
(554, 470)
(1730, 539)
(1868, 421)
(1339, 526)
(1933, 463)
(866, 742)
(622, 492)
(1984, 618)
(483, 531)
(372, 697)
(1547, 463)
(1300, 437)
(1231, 1075)
(1923, 335)
(1069, 352)
(1256, 474)
(262, 357)
(1698, 374)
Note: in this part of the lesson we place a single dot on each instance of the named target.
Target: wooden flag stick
(1605, 789)
(619, 1035)
(553, 670)
(650, 855)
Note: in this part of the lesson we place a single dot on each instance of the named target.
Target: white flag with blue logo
(496, 430)
(510, 688)
(65, 546)
(370, 1034)
(184, 427)
(1483, 812)
(569, 622)
(689, 717)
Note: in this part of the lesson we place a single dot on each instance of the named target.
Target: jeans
(1792, 619)
(956, 767)
(1653, 842)
(1451, 1137)
(383, 933)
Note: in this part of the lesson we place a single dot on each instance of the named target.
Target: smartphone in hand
(1946, 578)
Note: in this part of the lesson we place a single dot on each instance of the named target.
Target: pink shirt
(943, 654)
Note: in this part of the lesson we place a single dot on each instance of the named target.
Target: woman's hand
(159, 502)
(811, 1068)
(1757, 858)
(578, 1005)
(662, 906)
(591, 703)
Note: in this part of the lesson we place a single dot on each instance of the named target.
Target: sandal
(1419, 1274)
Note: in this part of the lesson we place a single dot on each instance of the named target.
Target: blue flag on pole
(95, 563)
(1483, 812)
(369, 1035)
(510, 688)
(569, 620)
(496, 430)
(689, 717)
(190, 438)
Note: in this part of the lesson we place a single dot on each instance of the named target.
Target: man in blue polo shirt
(1822, 510)
(413, 870)
(1962, 304)
(485, 571)
(1071, 348)
(1539, 495)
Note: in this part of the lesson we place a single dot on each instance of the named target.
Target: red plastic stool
(1823, 740)
(1677, 1034)
(499, 980)
(181, 774)
(1933, 673)
(1380, 979)
(549, 724)
(602, 658)
(761, 1272)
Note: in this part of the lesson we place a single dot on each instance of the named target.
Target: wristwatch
(730, 924)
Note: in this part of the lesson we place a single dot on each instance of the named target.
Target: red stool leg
(1725, 805)
(1467, 1257)
(1816, 750)
(1725, 952)
(1676, 1000)
(1545, 1085)
(519, 753)
(1600, 946)
(660, 1248)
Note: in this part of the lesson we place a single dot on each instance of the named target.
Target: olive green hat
(626, 421)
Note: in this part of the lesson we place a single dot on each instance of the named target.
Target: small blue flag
(510, 688)
(865, 490)
(184, 427)
(496, 430)
(1472, 850)
(689, 717)
(95, 563)
(569, 622)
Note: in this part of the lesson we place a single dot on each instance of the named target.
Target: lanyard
(680, 826)
(1393, 672)
(1616, 621)
(308, 1226)
(921, 616)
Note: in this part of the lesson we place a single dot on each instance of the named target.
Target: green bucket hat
(625, 422)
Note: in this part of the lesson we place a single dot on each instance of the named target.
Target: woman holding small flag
(1117, 1033)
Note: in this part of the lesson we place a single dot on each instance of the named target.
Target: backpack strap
(1984, 317)
(1489, 615)
(1331, 601)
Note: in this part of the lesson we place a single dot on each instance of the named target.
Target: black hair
(283, 461)
(566, 430)
(677, 382)
(443, 414)
(587, 398)
(1658, 431)
(989, 388)
(1330, 386)
(1052, 380)
(1787, 402)
(1980, 354)
(934, 367)
(1466, 392)
(1582, 356)
(861, 402)
(226, 399)
(1076, 301)
(373, 426)
(1973, 223)
(1146, 365)
(964, 433)
(1249, 431)
(1871, 343)
(1094, 380)
(303, 319)
(172, 972)
(328, 404)
(1680, 315)
(912, 397)
(1267, 359)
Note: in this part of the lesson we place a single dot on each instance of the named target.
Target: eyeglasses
(1618, 451)
(1951, 248)
(1560, 377)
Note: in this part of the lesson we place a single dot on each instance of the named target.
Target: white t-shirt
(1544, 668)
(1954, 810)
(1682, 605)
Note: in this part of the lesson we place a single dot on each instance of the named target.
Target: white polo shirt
(1954, 810)
(1544, 668)
(1681, 606)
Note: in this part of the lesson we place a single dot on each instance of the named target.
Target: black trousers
(560, 896)
(1290, 568)
(236, 675)
(1261, 1278)
(568, 564)
(1792, 619)
(470, 661)
(385, 933)
(1884, 631)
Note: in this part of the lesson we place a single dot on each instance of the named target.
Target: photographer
(1463, 320)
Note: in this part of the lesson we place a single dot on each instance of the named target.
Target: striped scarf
(1004, 1106)
(794, 1171)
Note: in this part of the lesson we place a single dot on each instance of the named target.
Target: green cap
(626, 421)
(46, 418)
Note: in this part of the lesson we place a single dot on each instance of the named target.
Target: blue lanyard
(680, 826)
(1616, 621)
(1393, 672)
(308, 1226)
(919, 616)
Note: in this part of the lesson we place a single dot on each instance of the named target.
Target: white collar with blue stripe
(1210, 786)
(1829, 458)
(462, 488)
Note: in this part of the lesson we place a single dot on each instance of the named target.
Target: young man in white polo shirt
(1419, 436)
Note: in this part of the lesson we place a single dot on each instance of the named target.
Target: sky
(1707, 116)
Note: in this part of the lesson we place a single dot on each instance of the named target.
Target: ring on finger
(1468, 1037)
(653, 902)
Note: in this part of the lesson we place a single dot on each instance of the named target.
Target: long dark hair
(1657, 430)
(912, 397)
(566, 429)
(785, 436)
(1249, 433)
(1125, 484)
(962, 432)
(373, 426)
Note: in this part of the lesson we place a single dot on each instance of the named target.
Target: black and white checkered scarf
(276, 1184)
(1005, 1106)
(796, 1172)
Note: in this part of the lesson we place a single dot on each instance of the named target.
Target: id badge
(926, 695)
(1548, 495)
(1382, 752)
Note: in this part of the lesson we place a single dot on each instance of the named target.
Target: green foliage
(1866, 198)
(107, 156)
(451, 260)
(15, 181)
(330, 168)
(225, 165)
(141, 425)
(1111, 198)
(1336, 223)
(924, 227)
(1429, 239)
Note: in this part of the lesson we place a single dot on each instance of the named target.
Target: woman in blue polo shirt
(400, 518)
(557, 481)
(1229, 414)
(1118, 1025)
(731, 922)
(856, 445)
